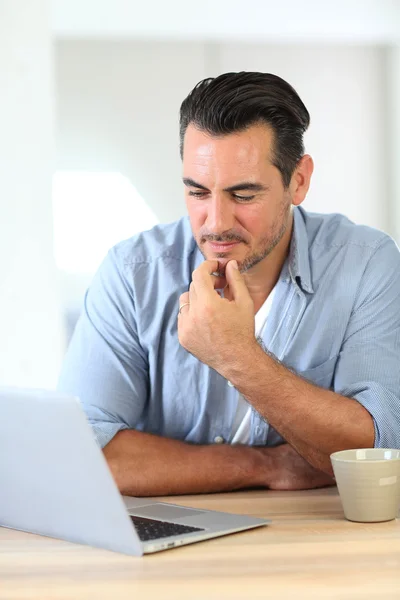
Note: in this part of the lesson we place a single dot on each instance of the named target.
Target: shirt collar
(297, 267)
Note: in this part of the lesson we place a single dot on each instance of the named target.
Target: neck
(262, 278)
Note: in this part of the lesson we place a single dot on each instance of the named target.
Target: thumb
(236, 282)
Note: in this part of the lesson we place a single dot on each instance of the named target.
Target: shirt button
(219, 439)
(230, 384)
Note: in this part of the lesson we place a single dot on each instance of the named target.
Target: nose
(220, 215)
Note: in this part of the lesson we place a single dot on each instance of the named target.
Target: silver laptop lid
(54, 484)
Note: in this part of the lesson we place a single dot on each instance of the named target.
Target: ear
(301, 178)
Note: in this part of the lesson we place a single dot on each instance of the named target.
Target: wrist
(237, 365)
(263, 466)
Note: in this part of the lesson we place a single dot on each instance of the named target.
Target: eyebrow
(238, 187)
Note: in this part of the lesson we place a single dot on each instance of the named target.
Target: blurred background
(90, 92)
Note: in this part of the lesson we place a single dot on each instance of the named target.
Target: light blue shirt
(335, 319)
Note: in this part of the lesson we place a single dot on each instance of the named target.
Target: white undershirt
(241, 428)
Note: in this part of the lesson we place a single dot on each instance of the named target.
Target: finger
(184, 299)
(203, 279)
(192, 293)
(237, 285)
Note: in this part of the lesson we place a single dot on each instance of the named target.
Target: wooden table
(309, 551)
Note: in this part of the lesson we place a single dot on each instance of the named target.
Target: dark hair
(234, 101)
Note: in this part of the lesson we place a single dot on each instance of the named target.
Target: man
(248, 368)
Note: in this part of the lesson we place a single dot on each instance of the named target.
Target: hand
(217, 330)
(287, 470)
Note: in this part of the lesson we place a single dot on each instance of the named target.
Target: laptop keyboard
(152, 529)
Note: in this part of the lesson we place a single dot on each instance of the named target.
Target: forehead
(242, 151)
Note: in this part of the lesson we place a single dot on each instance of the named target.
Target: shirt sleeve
(368, 368)
(105, 366)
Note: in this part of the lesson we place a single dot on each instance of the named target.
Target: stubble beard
(265, 246)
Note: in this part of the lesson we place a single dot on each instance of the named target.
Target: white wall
(118, 106)
(361, 21)
(393, 120)
(31, 342)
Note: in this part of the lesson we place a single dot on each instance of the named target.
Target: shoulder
(330, 231)
(348, 253)
(153, 262)
(173, 240)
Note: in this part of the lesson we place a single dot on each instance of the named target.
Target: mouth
(221, 247)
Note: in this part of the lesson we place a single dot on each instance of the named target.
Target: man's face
(236, 201)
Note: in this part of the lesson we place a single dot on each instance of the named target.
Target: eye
(197, 194)
(243, 198)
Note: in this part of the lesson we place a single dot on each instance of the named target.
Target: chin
(223, 258)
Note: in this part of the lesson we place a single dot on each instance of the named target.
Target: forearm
(315, 421)
(147, 465)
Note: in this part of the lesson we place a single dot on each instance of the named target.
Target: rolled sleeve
(105, 365)
(368, 368)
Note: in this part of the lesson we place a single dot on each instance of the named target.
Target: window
(92, 212)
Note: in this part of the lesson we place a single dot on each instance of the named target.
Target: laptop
(55, 481)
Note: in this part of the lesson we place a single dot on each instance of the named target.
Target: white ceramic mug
(368, 481)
